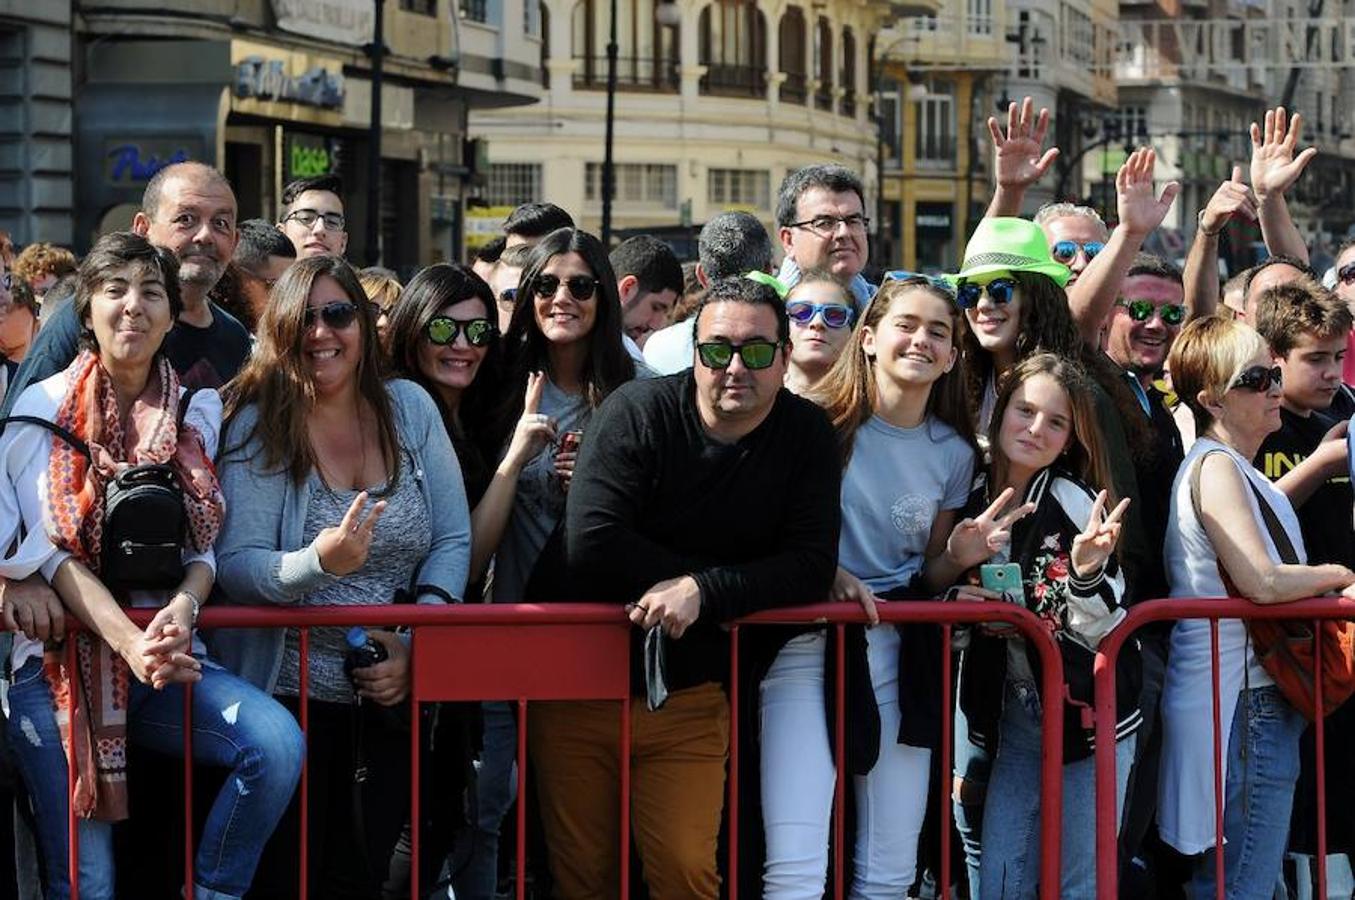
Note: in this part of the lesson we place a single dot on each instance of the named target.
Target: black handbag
(145, 523)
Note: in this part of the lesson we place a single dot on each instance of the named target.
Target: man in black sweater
(698, 498)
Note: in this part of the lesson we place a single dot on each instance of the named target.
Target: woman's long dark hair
(1047, 325)
(423, 298)
(277, 379)
(606, 365)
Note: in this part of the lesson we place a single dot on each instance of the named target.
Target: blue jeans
(1010, 865)
(235, 726)
(1263, 766)
(496, 787)
(972, 766)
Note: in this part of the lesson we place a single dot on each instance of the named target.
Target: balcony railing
(847, 106)
(734, 81)
(795, 89)
(644, 73)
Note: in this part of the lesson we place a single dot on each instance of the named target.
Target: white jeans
(798, 777)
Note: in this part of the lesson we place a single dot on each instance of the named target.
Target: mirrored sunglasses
(834, 315)
(1143, 310)
(999, 290)
(1066, 251)
(753, 354)
(442, 330)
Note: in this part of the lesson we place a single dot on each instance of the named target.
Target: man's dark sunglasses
(1000, 291)
(754, 354)
(581, 287)
(1257, 379)
(337, 316)
(1142, 311)
(442, 330)
(1066, 251)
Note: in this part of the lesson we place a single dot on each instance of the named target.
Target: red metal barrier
(581, 652)
(1107, 820)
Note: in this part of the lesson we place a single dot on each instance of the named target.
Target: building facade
(716, 101)
(272, 90)
(37, 186)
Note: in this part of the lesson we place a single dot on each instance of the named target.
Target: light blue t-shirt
(896, 483)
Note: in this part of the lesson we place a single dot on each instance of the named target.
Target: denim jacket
(261, 558)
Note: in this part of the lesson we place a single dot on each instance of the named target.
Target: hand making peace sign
(977, 539)
(343, 548)
(1093, 546)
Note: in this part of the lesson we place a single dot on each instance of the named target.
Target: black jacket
(1077, 611)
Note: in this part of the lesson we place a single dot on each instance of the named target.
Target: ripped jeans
(235, 726)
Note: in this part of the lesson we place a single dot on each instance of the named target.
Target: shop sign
(933, 220)
(484, 224)
(133, 162)
(310, 155)
(341, 21)
(267, 79)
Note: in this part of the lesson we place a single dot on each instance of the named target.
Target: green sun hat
(1004, 244)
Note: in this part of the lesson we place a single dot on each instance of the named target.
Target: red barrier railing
(1107, 818)
(528, 652)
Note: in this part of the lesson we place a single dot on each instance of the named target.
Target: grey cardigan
(261, 558)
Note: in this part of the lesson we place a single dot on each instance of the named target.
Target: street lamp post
(608, 182)
(378, 52)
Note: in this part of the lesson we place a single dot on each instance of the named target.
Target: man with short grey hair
(732, 243)
(822, 223)
(1075, 234)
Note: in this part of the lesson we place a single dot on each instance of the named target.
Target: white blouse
(1186, 785)
(25, 453)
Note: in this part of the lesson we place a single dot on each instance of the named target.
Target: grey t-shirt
(540, 500)
(896, 483)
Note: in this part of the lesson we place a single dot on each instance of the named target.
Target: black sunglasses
(581, 287)
(1142, 311)
(338, 315)
(1257, 378)
(1000, 291)
(753, 354)
(442, 330)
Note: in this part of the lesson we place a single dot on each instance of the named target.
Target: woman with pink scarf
(121, 403)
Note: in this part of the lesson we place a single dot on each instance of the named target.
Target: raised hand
(847, 588)
(1233, 200)
(534, 431)
(1136, 200)
(977, 539)
(1274, 165)
(1018, 160)
(343, 548)
(1093, 546)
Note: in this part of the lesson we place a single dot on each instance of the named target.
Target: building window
(980, 16)
(936, 124)
(847, 75)
(739, 187)
(1133, 123)
(891, 127)
(422, 7)
(732, 37)
(795, 89)
(474, 10)
(823, 64)
(637, 184)
(510, 184)
(647, 52)
(545, 44)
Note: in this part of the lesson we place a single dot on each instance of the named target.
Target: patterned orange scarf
(96, 740)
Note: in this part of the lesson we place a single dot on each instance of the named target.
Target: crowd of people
(1065, 423)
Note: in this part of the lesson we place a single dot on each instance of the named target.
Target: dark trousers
(352, 828)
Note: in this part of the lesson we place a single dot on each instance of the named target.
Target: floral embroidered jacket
(1077, 611)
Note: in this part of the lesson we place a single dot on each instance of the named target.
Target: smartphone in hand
(1004, 578)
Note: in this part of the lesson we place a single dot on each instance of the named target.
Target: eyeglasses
(442, 330)
(338, 315)
(1346, 274)
(1142, 310)
(1066, 251)
(1000, 291)
(581, 287)
(508, 297)
(307, 218)
(834, 315)
(826, 226)
(754, 354)
(1258, 379)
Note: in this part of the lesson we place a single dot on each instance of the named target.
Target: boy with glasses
(313, 217)
(690, 506)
